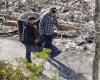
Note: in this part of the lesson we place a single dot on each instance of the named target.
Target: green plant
(34, 68)
(45, 54)
(24, 70)
(7, 72)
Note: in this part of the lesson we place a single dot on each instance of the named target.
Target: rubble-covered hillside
(74, 37)
(71, 13)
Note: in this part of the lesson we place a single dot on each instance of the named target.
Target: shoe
(29, 61)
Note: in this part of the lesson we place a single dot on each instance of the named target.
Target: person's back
(28, 35)
(47, 23)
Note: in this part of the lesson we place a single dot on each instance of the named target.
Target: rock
(79, 44)
(89, 26)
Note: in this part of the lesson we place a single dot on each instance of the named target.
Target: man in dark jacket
(29, 36)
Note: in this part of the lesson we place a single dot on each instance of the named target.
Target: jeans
(29, 49)
(47, 41)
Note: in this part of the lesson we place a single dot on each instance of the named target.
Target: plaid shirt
(47, 23)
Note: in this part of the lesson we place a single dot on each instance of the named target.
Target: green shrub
(24, 70)
(45, 54)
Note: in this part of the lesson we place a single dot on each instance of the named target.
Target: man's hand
(37, 40)
(41, 34)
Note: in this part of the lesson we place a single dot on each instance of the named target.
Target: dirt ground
(73, 63)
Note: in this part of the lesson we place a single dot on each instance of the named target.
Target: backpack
(29, 34)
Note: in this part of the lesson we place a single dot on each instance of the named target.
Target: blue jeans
(47, 41)
(29, 49)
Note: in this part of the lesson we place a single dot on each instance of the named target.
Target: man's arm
(42, 24)
(56, 21)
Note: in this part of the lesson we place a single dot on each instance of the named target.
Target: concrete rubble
(77, 48)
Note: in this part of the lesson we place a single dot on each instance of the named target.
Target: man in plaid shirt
(46, 27)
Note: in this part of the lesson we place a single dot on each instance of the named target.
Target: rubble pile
(75, 18)
(74, 36)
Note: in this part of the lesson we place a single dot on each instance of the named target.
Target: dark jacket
(29, 34)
